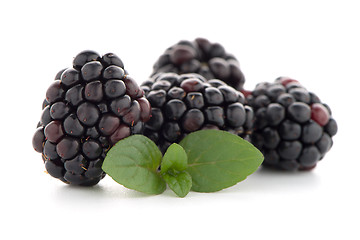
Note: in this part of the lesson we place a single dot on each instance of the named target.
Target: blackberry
(186, 103)
(88, 108)
(293, 128)
(203, 57)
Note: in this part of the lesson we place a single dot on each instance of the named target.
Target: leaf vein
(221, 161)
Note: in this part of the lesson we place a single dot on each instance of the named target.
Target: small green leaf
(218, 159)
(174, 158)
(133, 162)
(173, 166)
(179, 182)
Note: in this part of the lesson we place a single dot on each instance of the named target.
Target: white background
(316, 42)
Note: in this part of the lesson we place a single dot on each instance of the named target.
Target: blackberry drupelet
(88, 108)
(203, 57)
(186, 103)
(293, 128)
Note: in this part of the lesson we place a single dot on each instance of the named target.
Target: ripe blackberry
(88, 108)
(203, 57)
(293, 129)
(186, 103)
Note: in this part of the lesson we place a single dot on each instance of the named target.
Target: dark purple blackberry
(203, 57)
(186, 103)
(88, 108)
(293, 129)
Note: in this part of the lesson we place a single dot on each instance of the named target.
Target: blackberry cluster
(293, 129)
(203, 57)
(88, 108)
(186, 103)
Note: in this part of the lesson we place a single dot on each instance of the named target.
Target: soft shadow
(272, 180)
(264, 180)
(97, 193)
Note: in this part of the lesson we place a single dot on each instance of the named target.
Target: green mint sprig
(173, 170)
(204, 161)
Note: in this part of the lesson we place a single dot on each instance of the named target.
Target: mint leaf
(218, 159)
(174, 158)
(179, 182)
(173, 167)
(133, 162)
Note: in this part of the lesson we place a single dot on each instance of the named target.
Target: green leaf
(218, 159)
(179, 182)
(173, 166)
(133, 162)
(174, 158)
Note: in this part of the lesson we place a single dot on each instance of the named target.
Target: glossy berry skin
(203, 57)
(293, 129)
(320, 114)
(87, 109)
(185, 103)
